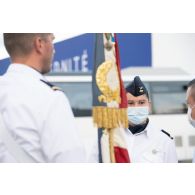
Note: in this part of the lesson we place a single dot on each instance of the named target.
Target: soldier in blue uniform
(146, 143)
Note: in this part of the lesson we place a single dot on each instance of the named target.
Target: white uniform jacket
(39, 118)
(149, 146)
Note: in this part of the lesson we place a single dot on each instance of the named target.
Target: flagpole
(111, 144)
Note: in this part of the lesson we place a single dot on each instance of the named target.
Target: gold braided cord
(109, 118)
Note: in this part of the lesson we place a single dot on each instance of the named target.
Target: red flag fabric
(123, 103)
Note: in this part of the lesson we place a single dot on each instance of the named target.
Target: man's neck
(27, 62)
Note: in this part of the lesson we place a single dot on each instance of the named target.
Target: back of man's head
(191, 86)
(20, 44)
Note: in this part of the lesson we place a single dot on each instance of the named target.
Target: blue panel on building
(135, 49)
(76, 54)
(4, 65)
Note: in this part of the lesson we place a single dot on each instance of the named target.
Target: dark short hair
(191, 84)
(20, 44)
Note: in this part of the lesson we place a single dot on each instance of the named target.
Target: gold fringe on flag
(109, 118)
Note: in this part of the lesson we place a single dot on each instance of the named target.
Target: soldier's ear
(38, 45)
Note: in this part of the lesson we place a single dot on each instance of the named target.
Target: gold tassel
(109, 118)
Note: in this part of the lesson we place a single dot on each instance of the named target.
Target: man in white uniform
(37, 115)
(190, 97)
(145, 142)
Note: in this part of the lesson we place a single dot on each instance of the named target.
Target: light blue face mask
(191, 120)
(138, 115)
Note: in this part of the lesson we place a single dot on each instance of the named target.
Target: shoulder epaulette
(55, 88)
(167, 133)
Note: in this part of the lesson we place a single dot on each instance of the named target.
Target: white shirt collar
(151, 131)
(27, 70)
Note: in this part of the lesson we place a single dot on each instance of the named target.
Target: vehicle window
(178, 141)
(79, 95)
(192, 140)
(168, 97)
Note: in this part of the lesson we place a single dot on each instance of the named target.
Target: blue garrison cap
(137, 88)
